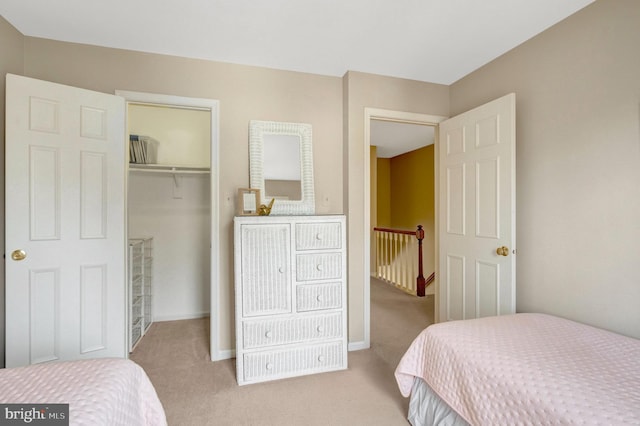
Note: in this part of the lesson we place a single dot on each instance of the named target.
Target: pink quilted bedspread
(98, 391)
(527, 369)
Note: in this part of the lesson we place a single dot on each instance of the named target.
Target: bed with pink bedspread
(521, 369)
(99, 391)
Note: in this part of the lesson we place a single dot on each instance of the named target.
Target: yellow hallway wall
(412, 197)
(383, 188)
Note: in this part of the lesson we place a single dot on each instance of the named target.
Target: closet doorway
(172, 198)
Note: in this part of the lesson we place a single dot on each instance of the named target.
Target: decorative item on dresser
(248, 200)
(264, 210)
(290, 296)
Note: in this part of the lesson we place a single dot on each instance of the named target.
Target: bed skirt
(427, 408)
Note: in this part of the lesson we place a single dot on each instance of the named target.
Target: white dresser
(290, 296)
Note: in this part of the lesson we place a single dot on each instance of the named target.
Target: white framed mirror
(281, 166)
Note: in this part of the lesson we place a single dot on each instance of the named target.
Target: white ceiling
(393, 139)
(437, 41)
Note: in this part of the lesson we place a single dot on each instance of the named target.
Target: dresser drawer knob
(269, 366)
(321, 358)
(268, 334)
(320, 329)
(281, 270)
(319, 298)
(319, 236)
(319, 267)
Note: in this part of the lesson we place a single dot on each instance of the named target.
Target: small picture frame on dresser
(248, 201)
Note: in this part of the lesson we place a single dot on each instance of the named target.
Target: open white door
(477, 212)
(65, 239)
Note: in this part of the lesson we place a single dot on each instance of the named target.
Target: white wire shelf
(164, 168)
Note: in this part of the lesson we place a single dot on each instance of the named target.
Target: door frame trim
(400, 117)
(213, 106)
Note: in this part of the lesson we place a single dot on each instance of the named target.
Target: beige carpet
(196, 391)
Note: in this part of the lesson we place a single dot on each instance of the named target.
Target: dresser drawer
(313, 297)
(260, 366)
(318, 236)
(301, 329)
(318, 266)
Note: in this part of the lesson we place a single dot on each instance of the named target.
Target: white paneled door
(65, 267)
(477, 212)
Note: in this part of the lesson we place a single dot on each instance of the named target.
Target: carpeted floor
(196, 391)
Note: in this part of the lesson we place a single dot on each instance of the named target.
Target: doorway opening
(172, 198)
(374, 117)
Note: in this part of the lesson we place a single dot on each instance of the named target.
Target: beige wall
(578, 163)
(11, 61)
(245, 93)
(182, 136)
(413, 198)
(360, 91)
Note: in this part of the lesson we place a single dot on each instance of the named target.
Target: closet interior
(169, 213)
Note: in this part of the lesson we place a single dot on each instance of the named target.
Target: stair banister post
(420, 281)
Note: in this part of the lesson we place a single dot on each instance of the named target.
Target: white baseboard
(224, 354)
(358, 346)
(160, 318)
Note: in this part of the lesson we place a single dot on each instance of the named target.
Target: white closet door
(65, 239)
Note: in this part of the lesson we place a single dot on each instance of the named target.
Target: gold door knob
(18, 255)
(503, 251)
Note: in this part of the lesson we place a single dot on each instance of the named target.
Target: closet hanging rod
(155, 168)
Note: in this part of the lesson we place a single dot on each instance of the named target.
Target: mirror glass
(281, 165)
(282, 176)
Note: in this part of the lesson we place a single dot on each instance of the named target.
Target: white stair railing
(399, 259)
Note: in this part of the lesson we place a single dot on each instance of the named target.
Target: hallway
(396, 319)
